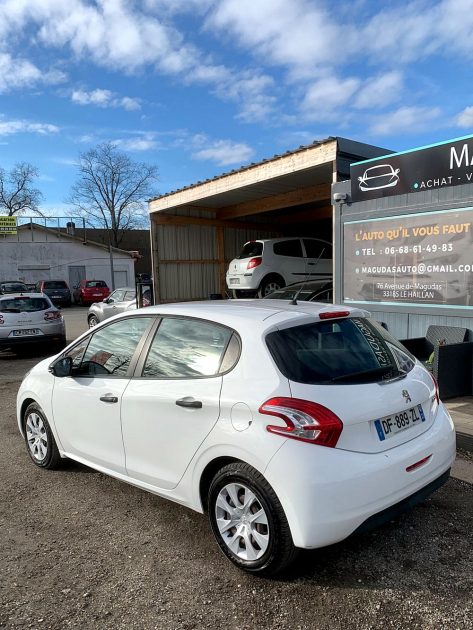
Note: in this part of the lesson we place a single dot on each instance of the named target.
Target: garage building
(198, 230)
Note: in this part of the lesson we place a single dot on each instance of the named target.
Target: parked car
(13, 286)
(117, 302)
(291, 426)
(313, 291)
(263, 266)
(57, 291)
(89, 291)
(31, 286)
(30, 319)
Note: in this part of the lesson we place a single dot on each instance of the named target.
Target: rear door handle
(108, 398)
(189, 402)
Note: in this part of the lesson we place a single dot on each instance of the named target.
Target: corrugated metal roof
(246, 167)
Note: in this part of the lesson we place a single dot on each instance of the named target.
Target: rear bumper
(327, 494)
(242, 282)
(13, 342)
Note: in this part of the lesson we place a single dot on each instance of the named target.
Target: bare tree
(17, 194)
(112, 190)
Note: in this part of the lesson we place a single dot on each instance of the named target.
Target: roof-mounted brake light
(333, 314)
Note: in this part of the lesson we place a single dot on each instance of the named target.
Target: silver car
(120, 300)
(30, 319)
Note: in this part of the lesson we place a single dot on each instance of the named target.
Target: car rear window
(352, 350)
(55, 284)
(93, 284)
(251, 249)
(24, 304)
(14, 287)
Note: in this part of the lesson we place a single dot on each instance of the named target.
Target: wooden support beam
(320, 192)
(221, 258)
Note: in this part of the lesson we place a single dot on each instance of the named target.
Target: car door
(172, 403)
(87, 404)
(319, 258)
(289, 260)
(112, 304)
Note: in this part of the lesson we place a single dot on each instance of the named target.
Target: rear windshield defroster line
(351, 350)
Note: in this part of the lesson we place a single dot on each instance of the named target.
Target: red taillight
(254, 262)
(437, 394)
(333, 314)
(51, 315)
(305, 420)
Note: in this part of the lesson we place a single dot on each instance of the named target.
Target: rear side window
(55, 284)
(186, 348)
(352, 350)
(317, 249)
(91, 284)
(251, 249)
(288, 248)
(24, 305)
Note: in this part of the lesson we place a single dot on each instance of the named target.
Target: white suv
(264, 266)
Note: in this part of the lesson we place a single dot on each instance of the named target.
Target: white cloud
(404, 119)
(465, 118)
(144, 142)
(380, 91)
(222, 152)
(104, 98)
(20, 73)
(10, 127)
(325, 97)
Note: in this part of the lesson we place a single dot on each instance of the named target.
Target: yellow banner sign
(7, 225)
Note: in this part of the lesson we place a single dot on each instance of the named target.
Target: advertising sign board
(422, 258)
(436, 166)
(7, 225)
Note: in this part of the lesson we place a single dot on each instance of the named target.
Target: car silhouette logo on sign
(378, 177)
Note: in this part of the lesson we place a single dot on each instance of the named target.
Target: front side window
(110, 349)
(129, 295)
(117, 296)
(186, 348)
(351, 350)
(291, 248)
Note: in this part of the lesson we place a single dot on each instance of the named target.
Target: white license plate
(27, 332)
(234, 280)
(391, 425)
(97, 295)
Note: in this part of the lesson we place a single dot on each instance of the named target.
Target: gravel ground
(82, 550)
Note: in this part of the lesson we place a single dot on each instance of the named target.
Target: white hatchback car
(263, 266)
(292, 426)
(30, 319)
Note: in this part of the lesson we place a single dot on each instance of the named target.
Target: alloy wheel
(36, 437)
(93, 321)
(242, 521)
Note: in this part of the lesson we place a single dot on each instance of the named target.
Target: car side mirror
(61, 367)
(109, 300)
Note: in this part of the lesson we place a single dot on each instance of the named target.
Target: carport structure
(197, 230)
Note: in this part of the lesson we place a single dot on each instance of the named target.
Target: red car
(89, 291)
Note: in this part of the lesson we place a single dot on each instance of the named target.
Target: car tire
(270, 284)
(264, 547)
(39, 439)
(92, 321)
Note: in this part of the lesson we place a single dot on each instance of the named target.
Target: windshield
(253, 248)
(55, 284)
(352, 350)
(24, 304)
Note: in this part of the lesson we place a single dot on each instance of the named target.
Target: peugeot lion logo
(406, 395)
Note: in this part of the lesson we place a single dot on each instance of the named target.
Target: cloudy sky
(200, 87)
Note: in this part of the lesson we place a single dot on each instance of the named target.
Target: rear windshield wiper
(380, 371)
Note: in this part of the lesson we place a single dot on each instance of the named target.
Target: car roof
(124, 289)
(27, 294)
(288, 238)
(240, 312)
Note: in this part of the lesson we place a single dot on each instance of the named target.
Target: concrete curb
(465, 441)
(463, 469)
